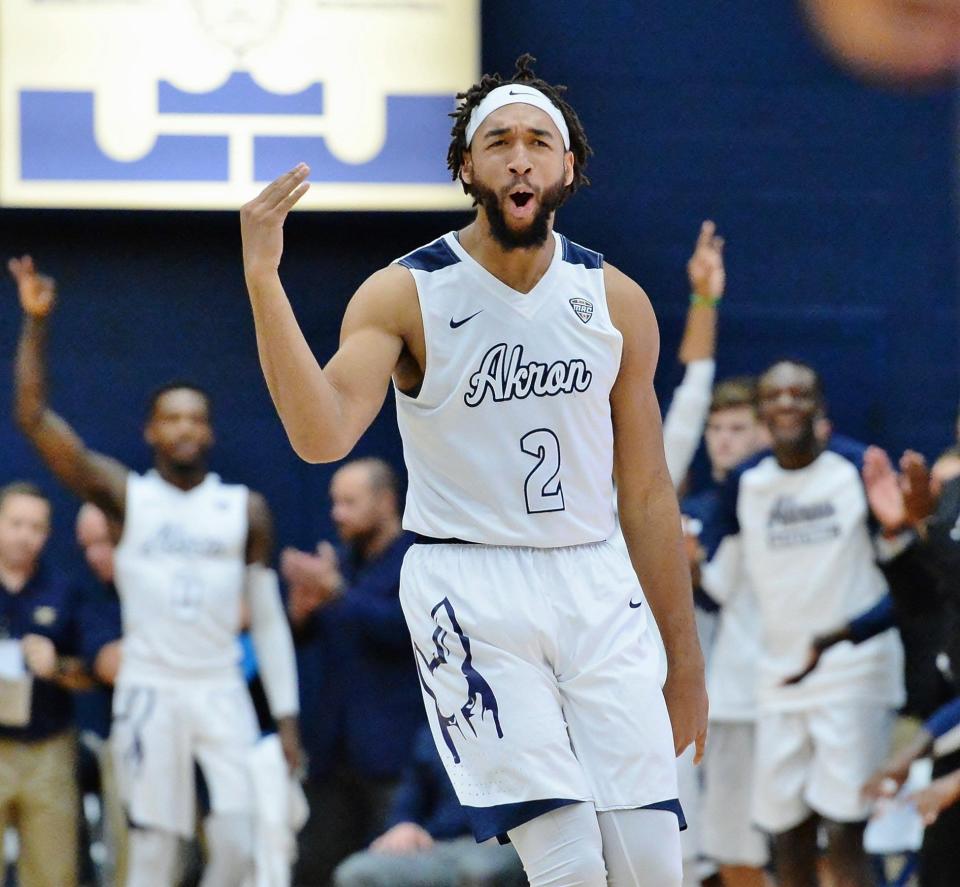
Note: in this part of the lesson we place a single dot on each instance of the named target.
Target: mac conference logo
(582, 308)
(227, 95)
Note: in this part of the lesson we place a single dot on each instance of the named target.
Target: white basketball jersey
(509, 440)
(180, 569)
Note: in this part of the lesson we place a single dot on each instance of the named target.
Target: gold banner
(193, 104)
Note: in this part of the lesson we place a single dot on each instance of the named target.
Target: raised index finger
(707, 230)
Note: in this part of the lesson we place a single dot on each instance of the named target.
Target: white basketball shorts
(729, 835)
(159, 732)
(817, 760)
(540, 679)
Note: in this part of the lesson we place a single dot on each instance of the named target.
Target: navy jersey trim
(726, 522)
(496, 821)
(579, 255)
(851, 450)
(431, 257)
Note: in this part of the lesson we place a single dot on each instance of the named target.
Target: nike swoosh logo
(521, 93)
(455, 323)
(634, 606)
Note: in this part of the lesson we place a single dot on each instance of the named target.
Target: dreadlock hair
(523, 74)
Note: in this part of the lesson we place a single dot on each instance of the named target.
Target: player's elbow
(316, 450)
(27, 417)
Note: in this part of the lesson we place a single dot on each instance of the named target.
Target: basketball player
(523, 367)
(190, 548)
(793, 526)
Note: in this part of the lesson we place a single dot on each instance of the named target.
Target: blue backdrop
(836, 200)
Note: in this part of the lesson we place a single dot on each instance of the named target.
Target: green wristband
(705, 301)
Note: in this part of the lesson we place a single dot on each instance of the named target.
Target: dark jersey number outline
(542, 489)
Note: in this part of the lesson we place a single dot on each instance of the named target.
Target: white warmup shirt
(509, 440)
(180, 569)
(800, 540)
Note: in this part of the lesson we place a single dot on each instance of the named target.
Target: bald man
(361, 700)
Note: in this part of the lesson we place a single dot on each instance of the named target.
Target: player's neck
(793, 458)
(519, 269)
(180, 477)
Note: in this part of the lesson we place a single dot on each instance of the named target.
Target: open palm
(883, 489)
(37, 291)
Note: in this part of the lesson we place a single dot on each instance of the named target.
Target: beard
(535, 234)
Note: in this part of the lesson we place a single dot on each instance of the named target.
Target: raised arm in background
(685, 419)
(92, 476)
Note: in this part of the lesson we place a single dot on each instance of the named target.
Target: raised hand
(37, 291)
(918, 499)
(705, 268)
(883, 490)
(261, 221)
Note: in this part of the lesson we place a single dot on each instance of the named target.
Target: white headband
(513, 94)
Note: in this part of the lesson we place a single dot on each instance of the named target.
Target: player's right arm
(92, 476)
(324, 410)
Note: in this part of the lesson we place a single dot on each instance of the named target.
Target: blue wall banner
(193, 104)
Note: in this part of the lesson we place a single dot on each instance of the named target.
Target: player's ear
(568, 164)
(466, 168)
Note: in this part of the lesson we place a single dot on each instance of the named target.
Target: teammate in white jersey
(192, 552)
(523, 368)
(797, 534)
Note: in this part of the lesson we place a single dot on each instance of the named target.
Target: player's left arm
(270, 631)
(649, 514)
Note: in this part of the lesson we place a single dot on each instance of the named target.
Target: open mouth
(521, 198)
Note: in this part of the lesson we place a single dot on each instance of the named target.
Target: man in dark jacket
(360, 697)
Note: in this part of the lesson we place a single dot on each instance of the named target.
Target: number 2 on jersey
(542, 489)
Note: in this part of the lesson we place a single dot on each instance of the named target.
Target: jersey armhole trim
(424, 382)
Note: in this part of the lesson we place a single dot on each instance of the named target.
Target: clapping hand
(314, 579)
(918, 500)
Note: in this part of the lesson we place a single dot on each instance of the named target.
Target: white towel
(281, 811)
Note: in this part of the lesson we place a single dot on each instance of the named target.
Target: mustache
(519, 181)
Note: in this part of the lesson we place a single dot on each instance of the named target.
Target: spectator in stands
(103, 641)
(919, 514)
(361, 700)
(42, 612)
(914, 603)
(797, 532)
(102, 649)
(428, 841)
(733, 434)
